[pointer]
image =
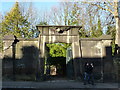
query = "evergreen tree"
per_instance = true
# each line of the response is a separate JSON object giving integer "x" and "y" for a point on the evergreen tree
{"x": 16, "y": 24}
{"x": 82, "y": 33}
{"x": 111, "y": 30}
{"x": 43, "y": 23}
{"x": 37, "y": 32}
{"x": 99, "y": 28}
{"x": 93, "y": 31}
{"x": 1, "y": 42}
{"x": 96, "y": 31}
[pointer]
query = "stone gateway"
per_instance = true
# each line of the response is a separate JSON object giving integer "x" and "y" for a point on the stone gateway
{"x": 30, "y": 53}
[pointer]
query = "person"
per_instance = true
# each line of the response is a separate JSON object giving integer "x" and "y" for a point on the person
{"x": 86, "y": 66}
{"x": 88, "y": 74}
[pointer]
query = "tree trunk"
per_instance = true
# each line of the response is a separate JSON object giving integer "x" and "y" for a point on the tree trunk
{"x": 117, "y": 39}
{"x": 117, "y": 18}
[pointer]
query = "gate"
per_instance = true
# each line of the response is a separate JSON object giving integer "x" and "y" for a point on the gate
{"x": 69, "y": 63}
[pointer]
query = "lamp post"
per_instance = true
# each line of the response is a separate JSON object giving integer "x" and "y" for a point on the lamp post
{"x": 13, "y": 54}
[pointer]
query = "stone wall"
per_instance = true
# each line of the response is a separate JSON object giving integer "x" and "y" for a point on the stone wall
{"x": 26, "y": 56}
{"x": 28, "y": 52}
{"x": 99, "y": 52}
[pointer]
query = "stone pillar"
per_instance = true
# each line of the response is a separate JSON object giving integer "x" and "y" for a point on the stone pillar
{"x": 76, "y": 56}
{"x": 42, "y": 52}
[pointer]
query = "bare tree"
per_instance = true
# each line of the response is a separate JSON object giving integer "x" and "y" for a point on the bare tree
{"x": 58, "y": 15}
{"x": 44, "y": 17}
{"x": 112, "y": 8}
{"x": 63, "y": 13}
{"x": 75, "y": 13}
{"x": 31, "y": 14}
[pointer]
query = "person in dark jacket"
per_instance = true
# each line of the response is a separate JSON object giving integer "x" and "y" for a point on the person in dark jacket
{"x": 86, "y": 66}
{"x": 88, "y": 74}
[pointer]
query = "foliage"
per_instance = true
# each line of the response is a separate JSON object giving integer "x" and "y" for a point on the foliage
{"x": 82, "y": 33}
{"x": 85, "y": 14}
{"x": 93, "y": 31}
{"x": 56, "y": 55}
{"x": 1, "y": 43}
{"x": 112, "y": 31}
{"x": 74, "y": 15}
{"x": 16, "y": 24}
{"x": 43, "y": 23}
{"x": 99, "y": 28}
{"x": 113, "y": 9}
{"x": 58, "y": 49}
{"x": 96, "y": 31}
{"x": 37, "y": 31}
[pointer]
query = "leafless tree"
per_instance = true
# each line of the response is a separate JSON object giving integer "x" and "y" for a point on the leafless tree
{"x": 113, "y": 9}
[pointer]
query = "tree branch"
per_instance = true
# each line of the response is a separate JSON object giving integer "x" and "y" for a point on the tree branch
{"x": 103, "y": 8}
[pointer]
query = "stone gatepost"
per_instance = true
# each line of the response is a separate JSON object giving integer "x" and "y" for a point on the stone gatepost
{"x": 60, "y": 34}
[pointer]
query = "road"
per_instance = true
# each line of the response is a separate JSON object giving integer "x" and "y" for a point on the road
{"x": 56, "y": 85}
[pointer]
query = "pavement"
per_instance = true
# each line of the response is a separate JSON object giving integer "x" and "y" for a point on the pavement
{"x": 56, "y": 84}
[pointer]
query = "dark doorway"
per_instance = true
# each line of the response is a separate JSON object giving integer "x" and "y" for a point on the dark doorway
{"x": 57, "y": 66}
{"x": 55, "y": 58}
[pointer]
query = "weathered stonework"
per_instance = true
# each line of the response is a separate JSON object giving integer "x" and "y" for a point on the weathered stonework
{"x": 26, "y": 55}
{"x": 99, "y": 52}
{"x": 49, "y": 34}
{"x": 96, "y": 50}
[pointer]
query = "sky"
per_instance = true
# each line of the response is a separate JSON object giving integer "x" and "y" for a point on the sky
{"x": 6, "y": 6}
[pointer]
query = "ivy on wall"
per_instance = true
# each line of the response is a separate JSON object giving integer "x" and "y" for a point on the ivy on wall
{"x": 58, "y": 49}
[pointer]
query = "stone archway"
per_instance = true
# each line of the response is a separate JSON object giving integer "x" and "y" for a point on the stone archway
{"x": 60, "y": 34}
